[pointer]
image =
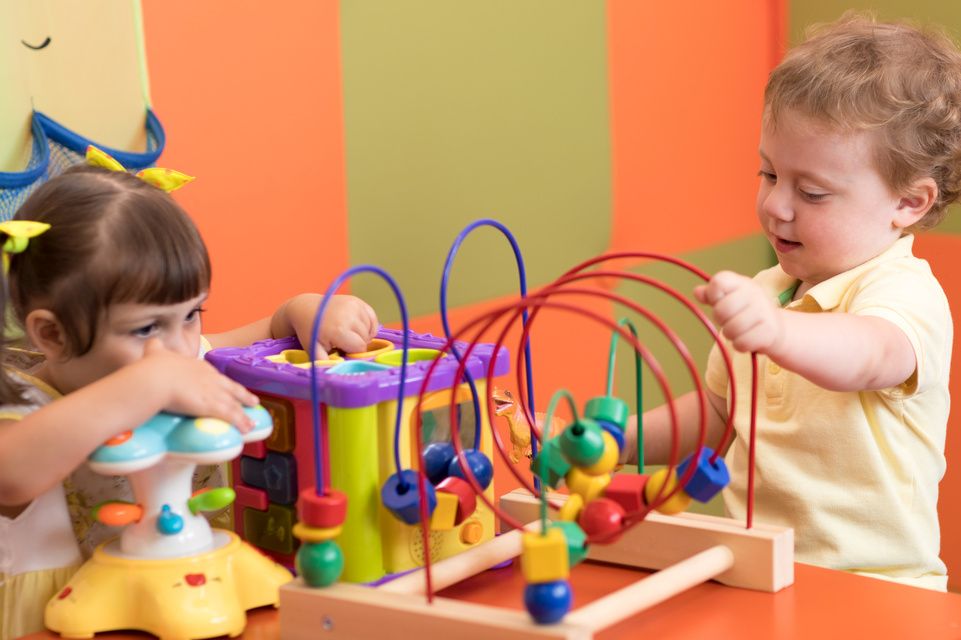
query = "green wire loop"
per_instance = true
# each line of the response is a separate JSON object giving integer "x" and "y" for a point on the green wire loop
{"x": 638, "y": 391}
{"x": 541, "y": 470}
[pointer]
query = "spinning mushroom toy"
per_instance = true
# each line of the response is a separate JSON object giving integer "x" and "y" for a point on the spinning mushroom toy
{"x": 168, "y": 572}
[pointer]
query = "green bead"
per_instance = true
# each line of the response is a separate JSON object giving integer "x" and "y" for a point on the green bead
{"x": 320, "y": 563}
{"x": 556, "y": 464}
{"x": 211, "y": 500}
{"x": 609, "y": 409}
{"x": 576, "y": 540}
{"x": 582, "y": 442}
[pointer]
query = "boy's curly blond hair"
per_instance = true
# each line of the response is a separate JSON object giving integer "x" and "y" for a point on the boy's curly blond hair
{"x": 897, "y": 80}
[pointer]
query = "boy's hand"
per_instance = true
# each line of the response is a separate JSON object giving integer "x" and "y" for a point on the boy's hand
{"x": 743, "y": 312}
{"x": 349, "y": 323}
{"x": 195, "y": 388}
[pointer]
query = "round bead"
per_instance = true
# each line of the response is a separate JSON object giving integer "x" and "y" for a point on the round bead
{"x": 588, "y": 487}
{"x": 571, "y": 508}
{"x": 707, "y": 479}
{"x": 678, "y": 502}
{"x": 548, "y": 602}
{"x": 608, "y": 459}
{"x": 479, "y": 465}
{"x": 582, "y": 442}
{"x": 609, "y": 409}
{"x": 319, "y": 563}
{"x": 576, "y": 541}
{"x": 328, "y": 510}
{"x": 402, "y": 498}
{"x": 466, "y": 498}
{"x": 603, "y": 519}
{"x": 437, "y": 459}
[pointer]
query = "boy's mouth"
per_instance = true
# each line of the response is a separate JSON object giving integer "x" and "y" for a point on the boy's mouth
{"x": 783, "y": 245}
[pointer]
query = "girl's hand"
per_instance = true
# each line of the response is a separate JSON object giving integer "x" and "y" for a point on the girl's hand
{"x": 744, "y": 313}
{"x": 349, "y": 323}
{"x": 195, "y": 388}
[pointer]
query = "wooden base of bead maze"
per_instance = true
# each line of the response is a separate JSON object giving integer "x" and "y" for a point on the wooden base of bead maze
{"x": 686, "y": 549}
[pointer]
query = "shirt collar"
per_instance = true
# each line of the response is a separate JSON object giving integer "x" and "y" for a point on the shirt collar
{"x": 827, "y": 295}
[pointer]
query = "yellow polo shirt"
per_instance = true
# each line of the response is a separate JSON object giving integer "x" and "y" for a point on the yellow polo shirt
{"x": 854, "y": 473}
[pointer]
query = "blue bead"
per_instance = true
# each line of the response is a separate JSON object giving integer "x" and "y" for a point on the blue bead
{"x": 708, "y": 478}
{"x": 437, "y": 457}
{"x": 615, "y": 431}
{"x": 403, "y": 498}
{"x": 548, "y": 602}
{"x": 168, "y": 522}
{"x": 479, "y": 465}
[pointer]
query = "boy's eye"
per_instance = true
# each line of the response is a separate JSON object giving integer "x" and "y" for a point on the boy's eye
{"x": 812, "y": 197}
{"x": 767, "y": 175}
{"x": 146, "y": 331}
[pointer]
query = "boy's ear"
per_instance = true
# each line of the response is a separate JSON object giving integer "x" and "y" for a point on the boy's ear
{"x": 918, "y": 200}
{"x": 46, "y": 333}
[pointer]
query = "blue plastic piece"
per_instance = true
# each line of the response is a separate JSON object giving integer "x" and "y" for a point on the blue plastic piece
{"x": 615, "y": 432}
{"x": 479, "y": 465}
{"x": 168, "y": 522}
{"x": 548, "y": 602}
{"x": 402, "y": 498}
{"x": 708, "y": 478}
{"x": 437, "y": 459}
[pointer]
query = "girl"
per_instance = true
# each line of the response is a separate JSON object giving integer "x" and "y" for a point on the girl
{"x": 111, "y": 296}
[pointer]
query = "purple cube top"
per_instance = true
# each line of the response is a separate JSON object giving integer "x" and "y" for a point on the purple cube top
{"x": 345, "y": 386}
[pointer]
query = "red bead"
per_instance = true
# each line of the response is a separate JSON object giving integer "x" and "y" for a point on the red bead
{"x": 602, "y": 520}
{"x": 322, "y": 512}
{"x": 466, "y": 498}
{"x": 627, "y": 490}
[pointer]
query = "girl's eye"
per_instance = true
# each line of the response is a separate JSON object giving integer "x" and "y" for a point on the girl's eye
{"x": 146, "y": 331}
{"x": 767, "y": 175}
{"x": 194, "y": 314}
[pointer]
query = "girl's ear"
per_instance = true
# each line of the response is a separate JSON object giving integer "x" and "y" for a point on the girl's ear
{"x": 917, "y": 202}
{"x": 46, "y": 333}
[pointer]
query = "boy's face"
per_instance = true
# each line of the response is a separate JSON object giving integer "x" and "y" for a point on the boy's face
{"x": 123, "y": 335}
{"x": 821, "y": 201}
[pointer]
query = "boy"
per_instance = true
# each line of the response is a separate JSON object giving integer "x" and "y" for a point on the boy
{"x": 860, "y": 146}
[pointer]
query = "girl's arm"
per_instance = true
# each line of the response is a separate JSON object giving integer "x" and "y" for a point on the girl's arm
{"x": 658, "y": 433}
{"x": 836, "y": 351}
{"x": 44, "y": 447}
{"x": 349, "y": 323}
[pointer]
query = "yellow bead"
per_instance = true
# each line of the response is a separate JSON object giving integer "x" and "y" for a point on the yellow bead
{"x": 544, "y": 557}
{"x": 315, "y": 534}
{"x": 608, "y": 459}
{"x": 445, "y": 514}
{"x": 571, "y": 509}
{"x": 587, "y": 486}
{"x": 678, "y": 502}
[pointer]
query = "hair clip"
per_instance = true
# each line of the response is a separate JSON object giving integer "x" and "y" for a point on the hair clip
{"x": 18, "y": 234}
{"x": 164, "y": 179}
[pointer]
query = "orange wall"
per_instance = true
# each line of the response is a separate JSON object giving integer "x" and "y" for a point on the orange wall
{"x": 249, "y": 94}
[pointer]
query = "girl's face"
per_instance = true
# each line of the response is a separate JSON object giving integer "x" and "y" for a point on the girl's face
{"x": 123, "y": 336}
{"x": 823, "y": 205}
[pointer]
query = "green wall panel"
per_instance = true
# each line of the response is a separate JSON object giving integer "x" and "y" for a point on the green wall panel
{"x": 455, "y": 111}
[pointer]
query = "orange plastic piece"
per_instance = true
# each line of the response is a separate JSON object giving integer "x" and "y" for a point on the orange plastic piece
{"x": 118, "y": 514}
{"x": 120, "y": 438}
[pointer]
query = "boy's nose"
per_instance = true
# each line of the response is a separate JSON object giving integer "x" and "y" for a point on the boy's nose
{"x": 177, "y": 343}
{"x": 777, "y": 204}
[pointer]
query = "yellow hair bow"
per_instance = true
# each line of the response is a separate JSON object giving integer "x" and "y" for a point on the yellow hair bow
{"x": 18, "y": 234}
{"x": 166, "y": 179}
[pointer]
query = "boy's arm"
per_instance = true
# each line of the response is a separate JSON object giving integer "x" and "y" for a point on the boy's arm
{"x": 658, "y": 433}
{"x": 836, "y": 351}
{"x": 349, "y": 323}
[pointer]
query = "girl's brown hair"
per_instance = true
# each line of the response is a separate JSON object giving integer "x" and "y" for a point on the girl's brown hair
{"x": 901, "y": 82}
{"x": 113, "y": 238}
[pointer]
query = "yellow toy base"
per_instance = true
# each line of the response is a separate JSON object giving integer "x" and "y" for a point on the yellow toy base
{"x": 202, "y": 596}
